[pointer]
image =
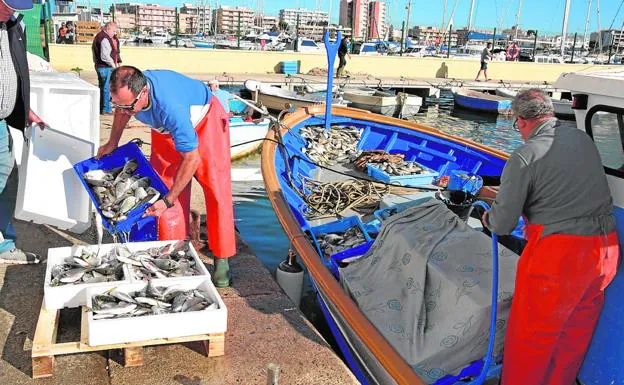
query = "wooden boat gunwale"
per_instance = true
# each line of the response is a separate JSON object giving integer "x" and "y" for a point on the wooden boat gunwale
{"x": 392, "y": 362}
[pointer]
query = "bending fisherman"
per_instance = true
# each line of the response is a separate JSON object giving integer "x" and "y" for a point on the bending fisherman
{"x": 190, "y": 138}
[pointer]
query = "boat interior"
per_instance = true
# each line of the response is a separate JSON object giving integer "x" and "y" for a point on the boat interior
{"x": 436, "y": 152}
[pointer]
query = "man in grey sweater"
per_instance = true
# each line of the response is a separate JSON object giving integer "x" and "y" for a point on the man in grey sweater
{"x": 105, "y": 49}
{"x": 556, "y": 180}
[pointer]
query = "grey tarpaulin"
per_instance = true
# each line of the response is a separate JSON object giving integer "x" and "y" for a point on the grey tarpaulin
{"x": 426, "y": 285}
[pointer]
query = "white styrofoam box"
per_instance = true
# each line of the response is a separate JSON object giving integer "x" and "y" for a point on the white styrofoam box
{"x": 143, "y": 328}
{"x": 137, "y": 246}
{"x": 68, "y": 103}
{"x": 72, "y": 295}
{"x": 49, "y": 192}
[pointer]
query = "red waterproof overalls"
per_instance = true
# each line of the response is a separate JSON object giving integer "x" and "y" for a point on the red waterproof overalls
{"x": 559, "y": 293}
{"x": 214, "y": 176}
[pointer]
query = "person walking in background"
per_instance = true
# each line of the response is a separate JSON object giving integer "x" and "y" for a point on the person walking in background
{"x": 343, "y": 51}
{"x": 105, "y": 49}
{"x": 14, "y": 110}
{"x": 69, "y": 36}
{"x": 61, "y": 34}
{"x": 486, "y": 56}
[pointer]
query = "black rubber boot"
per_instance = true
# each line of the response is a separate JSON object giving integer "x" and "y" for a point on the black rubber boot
{"x": 221, "y": 276}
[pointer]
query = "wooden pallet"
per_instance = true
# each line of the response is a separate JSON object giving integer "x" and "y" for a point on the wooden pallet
{"x": 45, "y": 347}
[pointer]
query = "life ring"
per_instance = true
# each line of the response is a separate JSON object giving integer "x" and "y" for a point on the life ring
{"x": 512, "y": 51}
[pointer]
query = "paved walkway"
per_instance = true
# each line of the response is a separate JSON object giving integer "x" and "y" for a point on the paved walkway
{"x": 263, "y": 326}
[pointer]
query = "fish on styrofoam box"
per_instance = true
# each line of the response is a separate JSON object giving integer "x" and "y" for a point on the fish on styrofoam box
{"x": 138, "y": 246}
{"x": 72, "y": 295}
{"x": 147, "y": 327}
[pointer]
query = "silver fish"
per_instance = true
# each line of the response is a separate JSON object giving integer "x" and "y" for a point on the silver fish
{"x": 122, "y": 308}
{"x": 120, "y": 295}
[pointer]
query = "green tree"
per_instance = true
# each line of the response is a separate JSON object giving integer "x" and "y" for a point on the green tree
{"x": 283, "y": 25}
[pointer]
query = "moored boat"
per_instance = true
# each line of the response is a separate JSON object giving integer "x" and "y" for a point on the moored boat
{"x": 243, "y": 131}
{"x": 475, "y": 100}
{"x": 386, "y": 103}
{"x": 563, "y": 107}
{"x": 370, "y": 355}
{"x": 246, "y": 134}
{"x": 202, "y": 43}
{"x": 365, "y": 345}
{"x": 598, "y": 100}
{"x": 276, "y": 98}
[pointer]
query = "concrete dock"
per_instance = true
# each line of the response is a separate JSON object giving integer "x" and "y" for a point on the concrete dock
{"x": 264, "y": 327}
{"x": 64, "y": 57}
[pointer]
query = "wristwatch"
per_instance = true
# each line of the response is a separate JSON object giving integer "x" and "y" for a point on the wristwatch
{"x": 167, "y": 203}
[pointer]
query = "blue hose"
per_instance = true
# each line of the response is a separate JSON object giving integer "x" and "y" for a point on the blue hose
{"x": 490, "y": 351}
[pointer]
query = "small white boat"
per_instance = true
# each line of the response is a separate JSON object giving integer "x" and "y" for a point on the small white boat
{"x": 249, "y": 132}
{"x": 276, "y": 98}
{"x": 563, "y": 107}
{"x": 386, "y": 103}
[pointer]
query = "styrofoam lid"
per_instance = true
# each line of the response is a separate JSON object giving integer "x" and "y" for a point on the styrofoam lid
{"x": 49, "y": 191}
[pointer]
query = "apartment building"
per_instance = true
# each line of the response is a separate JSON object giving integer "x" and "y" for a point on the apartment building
{"x": 202, "y": 19}
{"x": 377, "y": 19}
{"x": 145, "y": 17}
{"x": 228, "y": 19}
{"x": 306, "y": 16}
{"x": 354, "y": 14}
{"x": 156, "y": 18}
{"x": 265, "y": 22}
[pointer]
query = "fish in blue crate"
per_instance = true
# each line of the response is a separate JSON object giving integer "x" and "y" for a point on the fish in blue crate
{"x": 391, "y": 164}
{"x": 120, "y": 190}
{"x": 335, "y": 242}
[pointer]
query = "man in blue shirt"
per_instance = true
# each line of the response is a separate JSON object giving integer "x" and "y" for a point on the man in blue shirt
{"x": 190, "y": 138}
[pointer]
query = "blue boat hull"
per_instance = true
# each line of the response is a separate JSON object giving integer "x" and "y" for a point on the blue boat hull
{"x": 199, "y": 44}
{"x": 484, "y": 105}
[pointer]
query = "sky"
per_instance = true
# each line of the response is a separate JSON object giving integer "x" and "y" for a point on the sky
{"x": 543, "y": 15}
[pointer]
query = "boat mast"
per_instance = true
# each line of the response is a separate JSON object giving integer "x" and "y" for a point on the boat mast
{"x": 599, "y": 33}
{"x": 472, "y": 3}
{"x": 443, "y": 16}
{"x": 564, "y": 31}
{"x": 589, "y": 4}
{"x": 518, "y": 18}
{"x": 407, "y": 22}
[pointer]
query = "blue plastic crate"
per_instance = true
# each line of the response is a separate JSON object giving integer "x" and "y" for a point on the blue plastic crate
{"x": 334, "y": 261}
{"x": 403, "y": 180}
{"x": 337, "y": 227}
{"x": 140, "y": 229}
{"x": 385, "y": 213}
{"x": 289, "y": 67}
{"x": 459, "y": 180}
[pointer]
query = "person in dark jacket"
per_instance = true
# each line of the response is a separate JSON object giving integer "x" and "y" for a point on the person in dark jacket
{"x": 343, "y": 51}
{"x": 105, "y": 49}
{"x": 15, "y": 111}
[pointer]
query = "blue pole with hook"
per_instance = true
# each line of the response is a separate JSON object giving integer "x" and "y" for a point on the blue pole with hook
{"x": 331, "y": 49}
